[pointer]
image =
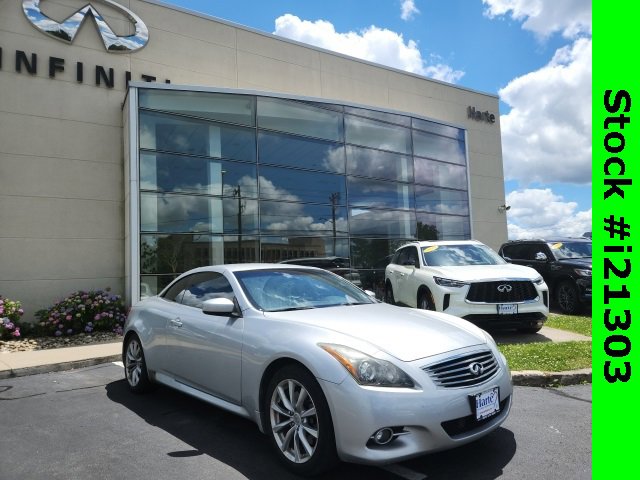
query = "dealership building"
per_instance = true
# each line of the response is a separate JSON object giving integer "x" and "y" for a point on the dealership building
{"x": 139, "y": 140}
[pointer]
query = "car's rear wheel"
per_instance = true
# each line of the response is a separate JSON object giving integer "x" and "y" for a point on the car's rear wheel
{"x": 135, "y": 366}
{"x": 388, "y": 294}
{"x": 425, "y": 301}
{"x": 568, "y": 298}
{"x": 299, "y": 422}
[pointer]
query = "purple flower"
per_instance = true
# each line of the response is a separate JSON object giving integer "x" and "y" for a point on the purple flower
{"x": 16, "y": 332}
{"x": 97, "y": 317}
{"x": 57, "y": 333}
{"x": 68, "y": 317}
{"x": 70, "y": 331}
{"x": 88, "y": 328}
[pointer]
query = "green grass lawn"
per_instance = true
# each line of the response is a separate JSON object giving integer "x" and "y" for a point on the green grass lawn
{"x": 553, "y": 356}
{"x": 548, "y": 356}
{"x": 572, "y": 323}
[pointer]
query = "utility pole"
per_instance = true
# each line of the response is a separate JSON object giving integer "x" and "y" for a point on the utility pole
{"x": 335, "y": 198}
{"x": 237, "y": 192}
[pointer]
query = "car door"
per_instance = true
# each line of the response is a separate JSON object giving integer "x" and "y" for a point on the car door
{"x": 205, "y": 350}
{"x": 404, "y": 276}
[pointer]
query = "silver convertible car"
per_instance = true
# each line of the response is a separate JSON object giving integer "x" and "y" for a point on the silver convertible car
{"x": 324, "y": 369}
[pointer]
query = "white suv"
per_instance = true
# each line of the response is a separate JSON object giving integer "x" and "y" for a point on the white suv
{"x": 468, "y": 279}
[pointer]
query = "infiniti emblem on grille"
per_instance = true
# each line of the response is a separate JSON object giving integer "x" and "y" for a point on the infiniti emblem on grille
{"x": 476, "y": 369}
{"x": 505, "y": 288}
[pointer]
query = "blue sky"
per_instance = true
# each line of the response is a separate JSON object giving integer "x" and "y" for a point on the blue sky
{"x": 535, "y": 54}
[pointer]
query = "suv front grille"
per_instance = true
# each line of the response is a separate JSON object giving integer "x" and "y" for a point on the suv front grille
{"x": 505, "y": 291}
{"x": 463, "y": 371}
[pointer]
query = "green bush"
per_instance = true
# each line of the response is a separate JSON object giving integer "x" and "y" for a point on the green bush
{"x": 86, "y": 312}
{"x": 10, "y": 313}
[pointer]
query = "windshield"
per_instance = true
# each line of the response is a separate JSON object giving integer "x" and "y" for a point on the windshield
{"x": 571, "y": 249}
{"x": 460, "y": 255}
{"x": 277, "y": 290}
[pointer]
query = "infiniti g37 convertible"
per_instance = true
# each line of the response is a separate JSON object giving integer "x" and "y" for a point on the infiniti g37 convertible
{"x": 326, "y": 371}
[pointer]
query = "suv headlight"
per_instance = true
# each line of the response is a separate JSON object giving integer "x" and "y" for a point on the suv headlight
{"x": 539, "y": 281}
{"x": 583, "y": 272}
{"x": 367, "y": 370}
{"x": 447, "y": 282}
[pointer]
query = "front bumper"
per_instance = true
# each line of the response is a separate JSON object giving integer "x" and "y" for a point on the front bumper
{"x": 433, "y": 418}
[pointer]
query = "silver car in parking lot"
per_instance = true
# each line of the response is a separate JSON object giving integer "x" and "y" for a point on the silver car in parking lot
{"x": 324, "y": 370}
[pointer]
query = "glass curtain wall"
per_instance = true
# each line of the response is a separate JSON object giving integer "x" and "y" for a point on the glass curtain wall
{"x": 228, "y": 178}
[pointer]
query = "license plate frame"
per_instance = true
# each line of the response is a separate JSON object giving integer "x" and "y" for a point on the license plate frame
{"x": 507, "y": 309}
{"x": 486, "y": 404}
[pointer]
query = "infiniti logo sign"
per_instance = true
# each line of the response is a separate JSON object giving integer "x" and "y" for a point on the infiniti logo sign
{"x": 67, "y": 30}
{"x": 505, "y": 288}
{"x": 476, "y": 368}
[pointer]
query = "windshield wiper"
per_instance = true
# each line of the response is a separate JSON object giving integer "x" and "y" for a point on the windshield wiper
{"x": 291, "y": 309}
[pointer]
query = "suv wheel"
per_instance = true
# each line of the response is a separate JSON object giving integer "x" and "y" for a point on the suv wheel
{"x": 425, "y": 301}
{"x": 567, "y": 296}
{"x": 388, "y": 294}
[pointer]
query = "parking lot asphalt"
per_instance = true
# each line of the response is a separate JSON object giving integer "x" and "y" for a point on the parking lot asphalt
{"x": 18, "y": 364}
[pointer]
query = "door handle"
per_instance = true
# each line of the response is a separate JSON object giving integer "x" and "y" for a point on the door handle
{"x": 176, "y": 322}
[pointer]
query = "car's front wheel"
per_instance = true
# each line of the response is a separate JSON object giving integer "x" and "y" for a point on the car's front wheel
{"x": 299, "y": 422}
{"x": 135, "y": 366}
{"x": 568, "y": 298}
{"x": 425, "y": 301}
{"x": 388, "y": 294}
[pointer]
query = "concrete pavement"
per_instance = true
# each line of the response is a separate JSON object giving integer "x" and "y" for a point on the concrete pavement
{"x": 17, "y": 364}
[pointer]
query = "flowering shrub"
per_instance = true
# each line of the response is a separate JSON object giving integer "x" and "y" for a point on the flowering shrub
{"x": 85, "y": 312}
{"x": 10, "y": 313}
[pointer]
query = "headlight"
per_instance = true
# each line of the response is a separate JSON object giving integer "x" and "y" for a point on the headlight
{"x": 539, "y": 281}
{"x": 447, "y": 282}
{"x": 367, "y": 370}
{"x": 583, "y": 272}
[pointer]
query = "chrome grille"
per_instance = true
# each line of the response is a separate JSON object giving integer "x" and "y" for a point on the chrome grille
{"x": 457, "y": 371}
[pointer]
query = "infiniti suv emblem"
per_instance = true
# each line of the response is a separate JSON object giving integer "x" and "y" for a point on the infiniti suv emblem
{"x": 505, "y": 288}
{"x": 476, "y": 368}
{"x": 67, "y": 30}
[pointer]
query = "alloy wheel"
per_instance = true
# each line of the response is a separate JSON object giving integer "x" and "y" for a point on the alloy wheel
{"x": 294, "y": 421}
{"x": 134, "y": 362}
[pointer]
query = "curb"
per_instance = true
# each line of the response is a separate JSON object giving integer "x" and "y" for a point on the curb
{"x": 58, "y": 367}
{"x": 536, "y": 378}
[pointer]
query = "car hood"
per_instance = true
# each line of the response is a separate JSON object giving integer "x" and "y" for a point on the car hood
{"x": 405, "y": 333}
{"x": 577, "y": 262}
{"x": 484, "y": 273}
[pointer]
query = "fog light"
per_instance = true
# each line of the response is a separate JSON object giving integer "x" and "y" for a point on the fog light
{"x": 383, "y": 436}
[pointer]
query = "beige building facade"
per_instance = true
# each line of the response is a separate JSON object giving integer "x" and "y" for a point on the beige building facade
{"x": 66, "y": 134}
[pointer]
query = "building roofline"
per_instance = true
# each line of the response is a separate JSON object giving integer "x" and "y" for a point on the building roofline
{"x": 313, "y": 47}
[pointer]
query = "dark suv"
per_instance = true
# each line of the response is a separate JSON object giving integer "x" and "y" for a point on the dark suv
{"x": 564, "y": 263}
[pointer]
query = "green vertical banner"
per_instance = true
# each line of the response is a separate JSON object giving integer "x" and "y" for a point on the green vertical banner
{"x": 616, "y": 239}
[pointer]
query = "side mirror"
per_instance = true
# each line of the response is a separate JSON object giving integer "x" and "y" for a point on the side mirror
{"x": 541, "y": 257}
{"x": 218, "y": 306}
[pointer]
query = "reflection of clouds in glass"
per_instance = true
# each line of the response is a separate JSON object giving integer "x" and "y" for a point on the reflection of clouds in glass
{"x": 334, "y": 159}
{"x": 440, "y": 174}
{"x": 381, "y": 222}
{"x": 378, "y": 164}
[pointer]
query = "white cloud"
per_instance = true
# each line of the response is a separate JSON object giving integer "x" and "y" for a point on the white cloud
{"x": 408, "y": 9}
{"x": 546, "y": 136}
{"x": 545, "y": 17}
{"x": 374, "y": 44}
{"x": 541, "y": 213}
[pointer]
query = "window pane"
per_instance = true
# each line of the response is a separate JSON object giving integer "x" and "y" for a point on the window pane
{"x": 440, "y": 174}
{"x": 151, "y": 285}
{"x": 300, "y": 118}
{"x": 277, "y": 249}
{"x": 185, "y": 213}
{"x": 438, "y": 148}
{"x": 197, "y": 137}
{"x": 286, "y": 218}
{"x": 374, "y": 253}
{"x": 376, "y": 163}
{"x": 376, "y": 115}
{"x": 278, "y": 149}
{"x": 173, "y": 173}
{"x": 300, "y": 186}
{"x": 205, "y": 286}
{"x": 438, "y": 128}
{"x": 364, "y": 192}
{"x": 370, "y": 133}
{"x": 215, "y": 106}
{"x": 382, "y": 223}
{"x": 439, "y": 200}
{"x": 443, "y": 227}
{"x": 177, "y": 253}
